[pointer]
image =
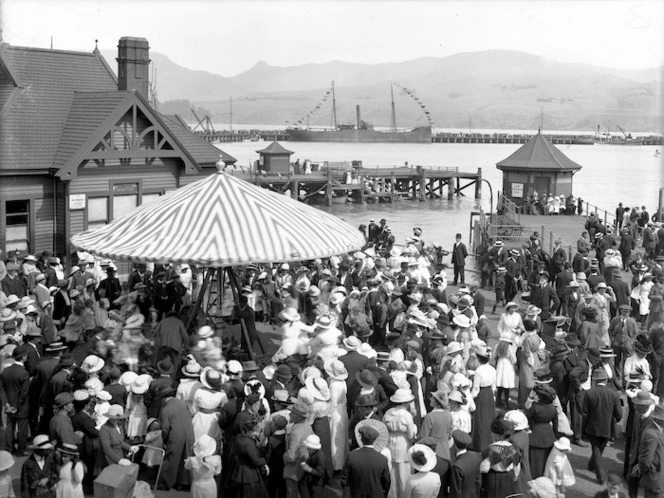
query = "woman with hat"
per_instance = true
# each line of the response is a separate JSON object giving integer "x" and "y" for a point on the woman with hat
{"x": 642, "y": 294}
{"x": 207, "y": 401}
{"x": 39, "y": 471}
{"x": 505, "y": 354}
{"x": 112, "y": 438}
{"x": 602, "y": 298}
{"x": 438, "y": 424}
{"x": 402, "y": 430}
{"x": 137, "y": 412}
{"x": 520, "y": 439}
{"x": 484, "y": 384}
{"x": 510, "y": 321}
{"x": 543, "y": 420}
{"x": 590, "y": 331}
{"x": 528, "y": 359}
{"x": 250, "y": 467}
{"x": 204, "y": 465}
{"x": 337, "y": 375}
{"x": 70, "y": 483}
{"x": 422, "y": 483}
{"x": 501, "y": 459}
{"x": 6, "y": 463}
{"x": 189, "y": 383}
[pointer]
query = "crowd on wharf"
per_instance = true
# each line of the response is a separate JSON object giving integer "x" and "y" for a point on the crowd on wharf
{"x": 388, "y": 379}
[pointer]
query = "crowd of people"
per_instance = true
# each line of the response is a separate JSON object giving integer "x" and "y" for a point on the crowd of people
{"x": 386, "y": 380}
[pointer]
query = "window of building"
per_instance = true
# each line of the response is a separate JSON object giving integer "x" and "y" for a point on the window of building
{"x": 17, "y": 218}
{"x": 97, "y": 212}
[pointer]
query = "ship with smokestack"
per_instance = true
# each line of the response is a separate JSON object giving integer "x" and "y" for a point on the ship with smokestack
{"x": 361, "y": 131}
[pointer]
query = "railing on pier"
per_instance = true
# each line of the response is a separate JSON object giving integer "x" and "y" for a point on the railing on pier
{"x": 510, "y": 209}
{"x": 514, "y": 236}
{"x": 602, "y": 214}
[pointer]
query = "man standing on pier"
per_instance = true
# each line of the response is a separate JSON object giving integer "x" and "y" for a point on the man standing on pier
{"x": 459, "y": 255}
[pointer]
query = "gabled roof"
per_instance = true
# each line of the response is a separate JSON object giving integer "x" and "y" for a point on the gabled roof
{"x": 538, "y": 154}
{"x": 32, "y": 123}
{"x": 274, "y": 148}
{"x": 204, "y": 152}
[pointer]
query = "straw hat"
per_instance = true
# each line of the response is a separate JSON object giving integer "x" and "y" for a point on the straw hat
{"x": 81, "y": 395}
{"x": 335, "y": 369}
{"x": 140, "y": 385}
{"x": 55, "y": 346}
{"x": 92, "y": 364}
{"x": 192, "y": 369}
{"x": 533, "y": 310}
{"x": 352, "y": 343}
{"x": 205, "y": 446}
{"x": 518, "y": 419}
{"x": 6, "y": 460}
{"x": 68, "y": 448}
{"x": 290, "y": 315}
{"x": 462, "y": 321}
{"x": 428, "y": 454}
{"x": 211, "y": 379}
{"x": 41, "y": 442}
{"x": 402, "y": 396}
{"x": 454, "y": 347}
{"x": 115, "y": 412}
{"x": 563, "y": 444}
{"x": 313, "y": 442}
{"x": 205, "y": 332}
{"x": 104, "y": 395}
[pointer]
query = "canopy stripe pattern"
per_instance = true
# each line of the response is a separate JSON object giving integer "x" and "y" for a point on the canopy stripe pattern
{"x": 221, "y": 221}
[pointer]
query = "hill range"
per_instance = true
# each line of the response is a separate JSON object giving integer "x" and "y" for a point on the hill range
{"x": 494, "y": 89}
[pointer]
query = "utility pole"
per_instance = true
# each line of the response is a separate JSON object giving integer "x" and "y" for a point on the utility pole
{"x": 231, "y": 128}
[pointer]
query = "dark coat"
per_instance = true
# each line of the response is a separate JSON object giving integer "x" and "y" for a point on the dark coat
{"x": 31, "y": 474}
{"x": 15, "y": 385}
{"x": 118, "y": 394}
{"x": 465, "y": 481}
{"x": 651, "y": 460}
{"x": 178, "y": 436}
{"x": 32, "y": 359}
{"x": 366, "y": 474}
{"x": 83, "y": 422}
{"x": 543, "y": 421}
{"x": 601, "y": 406}
{"x": 113, "y": 445}
{"x": 621, "y": 290}
{"x": 354, "y": 362}
{"x": 479, "y": 301}
{"x": 548, "y": 301}
{"x": 459, "y": 254}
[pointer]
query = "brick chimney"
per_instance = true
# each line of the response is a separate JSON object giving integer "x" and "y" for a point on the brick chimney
{"x": 134, "y": 65}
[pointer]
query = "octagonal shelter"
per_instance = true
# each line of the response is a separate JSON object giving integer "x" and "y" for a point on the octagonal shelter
{"x": 274, "y": 159}
{"x": 537, "y": 166}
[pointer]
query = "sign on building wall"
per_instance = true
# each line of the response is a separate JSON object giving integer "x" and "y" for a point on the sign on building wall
{"x": 517, "y": 190}
{"x": 76, "y": 201}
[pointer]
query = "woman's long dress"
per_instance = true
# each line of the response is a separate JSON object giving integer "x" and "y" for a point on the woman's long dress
{"x": 338, "y": 423}
{"x": 138, "y": 417}
{"x": 203, "y": 472}
{"x": 484, "y": 383}
{"x": 402, "y": 430}
{"x": 70, "y": 484}
{"x": 205, "y": 421}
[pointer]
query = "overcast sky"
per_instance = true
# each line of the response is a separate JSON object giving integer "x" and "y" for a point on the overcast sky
{"x": 228, "y": 37}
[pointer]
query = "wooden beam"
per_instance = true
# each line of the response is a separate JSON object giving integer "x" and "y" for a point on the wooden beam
{"x": 131, "y": 154}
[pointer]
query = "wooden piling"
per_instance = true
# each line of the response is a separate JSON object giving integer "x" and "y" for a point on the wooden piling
{"x": 478, "y": 184}
{"x": 450, "y": 189}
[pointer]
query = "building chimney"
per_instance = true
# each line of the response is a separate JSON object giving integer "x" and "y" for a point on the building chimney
{"x": 134, "y": 65}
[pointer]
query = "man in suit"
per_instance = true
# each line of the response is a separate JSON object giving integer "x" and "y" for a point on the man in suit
{"x": 178, "y": 436}
{"x": 559, "y": 257}
{"x": 546, "y": 298}
{"x": 295, "y": 452}
{"x": 627, "y": 245}
{"x": 465, "y": 480}
{"x": 353, "y": 361}
{"x": 622, "y": 331}
{"x": 57, "y": 384}
{"x": 459, "y": 255}
{"x": 15, "y": 385}
{"x": 563, "y": 279}
{"x": 620, "y": 289}
{"x": 32, "y": 349}
{"x": 479, "y": 301}
{"x": 601, "y": 406}
{"x": 580, "y": 382}
{"x": 651, "y": 455}
{"x": 366, "y": 474}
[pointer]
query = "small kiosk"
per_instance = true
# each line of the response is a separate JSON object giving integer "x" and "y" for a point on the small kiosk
{"x": 274, "y": 159}
{"x": 537, "y": 166}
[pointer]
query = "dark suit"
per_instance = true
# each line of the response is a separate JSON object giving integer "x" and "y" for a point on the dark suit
{"x": 32, "y": 359}
{"x": 479, "y": 301}
{"x": 651, "y": 461}
{"x": 354, "y": 362}
{"x": 548, "y": 301}
{"x": 465, "y": 481}
{"x": 366, "y": 474}
{"x": 15, "y": 384}
{"x": 118, "y": 394}
{"x": 459, "y": 255}
{"x": 601, "y": 406}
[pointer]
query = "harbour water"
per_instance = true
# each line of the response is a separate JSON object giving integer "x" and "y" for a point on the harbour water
{"x": 611, "y": 174}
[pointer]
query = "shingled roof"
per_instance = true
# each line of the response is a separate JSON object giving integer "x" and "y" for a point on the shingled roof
{"x": 538, "y": 154}
{"x": 45, "y": 107}
{"x": 274, "y": 148}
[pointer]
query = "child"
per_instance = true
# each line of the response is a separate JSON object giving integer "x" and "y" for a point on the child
{"x": 315, "y": 467}
{"x": 499, "y": 286}
{"x": 614, "y": 487}
{"x": 70, "y": 484}
{"x": 204, "y": 465}
{"x": 505, "y": 354}
{"x": 153, "y": 457}
{"x": 6, "y": 463}
{"x": 558, "y": 468}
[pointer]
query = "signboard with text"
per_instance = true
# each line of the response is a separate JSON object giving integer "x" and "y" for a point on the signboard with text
{"x": 517, "y": 190}
{"x": 76, "y": 201}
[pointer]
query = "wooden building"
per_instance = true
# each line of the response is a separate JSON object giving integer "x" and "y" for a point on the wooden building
{"x": 274, "y": 159}
{"x": 537, "y": 166}
{"x": 80, "y": 146}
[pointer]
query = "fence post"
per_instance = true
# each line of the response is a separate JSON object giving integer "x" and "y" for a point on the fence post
{"x": 605, "y": 215}
{"x": 550, "y": 240}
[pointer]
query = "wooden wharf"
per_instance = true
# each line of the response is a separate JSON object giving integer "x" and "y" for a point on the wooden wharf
{"x": 331, "y": 185}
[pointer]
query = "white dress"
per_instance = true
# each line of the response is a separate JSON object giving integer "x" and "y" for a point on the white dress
{"x": 644, "y": 300}
{"x": 510, "y": 323}
{"x": 138, "y": 417}
{"x": 423, "y": 485}
{"x": 70, "y": 484}
{"x": 338, "y": 423}
{"x": 402, "y": 430}
{"x": 186, "y": 391}
{"x": 205, "y": 420}
{"x": 203, "y": 485}
{"x": 505, "y": 369}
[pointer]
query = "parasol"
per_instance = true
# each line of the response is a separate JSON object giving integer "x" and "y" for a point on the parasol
{"x": 383, "y": 435}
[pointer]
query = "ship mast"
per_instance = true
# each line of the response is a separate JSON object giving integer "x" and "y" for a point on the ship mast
{"x": 394, "y": 112}
{"x": 334, "y": 107}
{"x": 231, "y": 117}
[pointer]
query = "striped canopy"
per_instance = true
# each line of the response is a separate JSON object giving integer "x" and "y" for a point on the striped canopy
{"x": 221, "y": 221}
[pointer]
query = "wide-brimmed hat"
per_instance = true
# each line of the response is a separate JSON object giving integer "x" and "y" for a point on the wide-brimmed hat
{"x": 635, "y": 377}
{"x": 140, "y": 385}
{"x": 533, "y": 310}
{"x": 335, "y": 369}
{"x": 440, "y": 397}
{"x": 643, "y": 398}
{"x": 299, "y": 408}
{"x": 290, "y": 315}
{"x": 127, "y": 379}
{"x": 376, "y": 430}
{"x": 462, "y": 321}
{"x": 657, "y": 413}
{"x": 563, "y": 444}
{"x": 55, "y": 346}
{"x": 68, "y": 448}
{"x": 366, "y": 379}
{"x": 454, "y": 347}
{"x": 211, "y": 379}
{"x": 641, "y": 349}
{"x": 192, "y": 369}
{"x": 205, "y": 446}
{"x": 518, "y": 419}
{"x": 165, "y": 366}
{"x": 282, "y": 396}
{"x": 115, "y": 412}
{"x": 249, "y": 366}
{"x": 283, "y": 373}
{"x": 402, "y": 396}
{"x": 318, "y": 388}
{"x": 6, "y": 460}
{"x": 607, "y": 353}
{"x": 205, "y": 332}
{"x": 600, "y": 374}
{"x": 572, "y": 339}
{"x": 427, "y": 453}
{"x": 456, "y": 395}
{"x": 366, "y": 350}
{"x": 92, "y": 363}
{"x": 41, "y": 442}
{"x": 352, "y": 343}
{"x": 7, "y": 315}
